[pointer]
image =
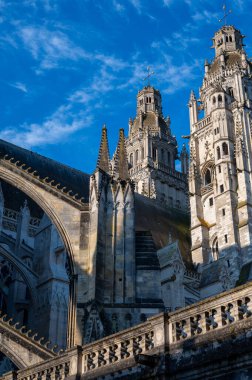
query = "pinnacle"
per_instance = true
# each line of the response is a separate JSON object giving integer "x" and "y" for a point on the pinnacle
{"x": 103, "y": 156}
{"x": 192, "y": 95}
{"x": 121, "y": 160}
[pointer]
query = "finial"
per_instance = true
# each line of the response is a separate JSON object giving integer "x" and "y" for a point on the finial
{"x": 103, "y": 156}
{"x": 226, "y": 14}
{"x": 150, "y": 73}
{"x": 192, "y": 95}
{"x": 121, "y": 160}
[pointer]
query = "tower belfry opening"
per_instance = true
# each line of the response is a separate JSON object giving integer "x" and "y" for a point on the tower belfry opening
{"x": 152, "y": 153}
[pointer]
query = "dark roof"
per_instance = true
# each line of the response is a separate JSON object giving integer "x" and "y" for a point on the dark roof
{"x": 72, "y": 179}
{"x": 164, "y": 223}
{"x": 211, "y": 273}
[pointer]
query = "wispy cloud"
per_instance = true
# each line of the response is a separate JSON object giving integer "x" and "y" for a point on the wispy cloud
{"x": 167, "y": 3}
{"x": 206, "y": 16}
{"x": 118, "y": 6}
{"x": 49, "y": 47}
{"x": 56, "y": 128}
{"x": 19, "y": 86}
{"x": 137, "y": 4}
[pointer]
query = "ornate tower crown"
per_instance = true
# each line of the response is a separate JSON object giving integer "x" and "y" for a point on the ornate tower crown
{"x": 227, "y": 39}
{"x": 149, "y": 99}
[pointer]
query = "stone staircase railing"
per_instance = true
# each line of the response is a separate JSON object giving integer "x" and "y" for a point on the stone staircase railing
{"x": 225, "y": 313}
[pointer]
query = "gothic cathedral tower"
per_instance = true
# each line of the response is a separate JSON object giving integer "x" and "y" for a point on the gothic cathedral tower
{"x": 221, "y": 156}
{"x": 152, "y": 151}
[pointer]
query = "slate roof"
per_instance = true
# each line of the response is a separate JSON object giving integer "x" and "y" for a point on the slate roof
{"x": 72, "y": 179}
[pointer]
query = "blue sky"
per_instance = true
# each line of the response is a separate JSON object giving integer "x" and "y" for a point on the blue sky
{"x": 69, "y": 66}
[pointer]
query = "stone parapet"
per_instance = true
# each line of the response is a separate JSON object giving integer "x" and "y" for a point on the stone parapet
{"x": 217, "y": 319}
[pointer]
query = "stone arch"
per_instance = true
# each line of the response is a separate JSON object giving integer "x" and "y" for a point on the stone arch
{"x": 69, "y": 234}
{"x": 22, "y": 184}
{"x": 208, "y": 167}
{"x": 20, "y": 267}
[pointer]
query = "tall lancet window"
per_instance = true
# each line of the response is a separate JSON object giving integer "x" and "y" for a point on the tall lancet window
{"x": 208, "y": 178}
{"x": 215, "y": 249}
{"x": 131, "y": 159}
{"x": 154, "y": 154}
{"x": 142, "y": 153}
{"x": 137, "y": 156}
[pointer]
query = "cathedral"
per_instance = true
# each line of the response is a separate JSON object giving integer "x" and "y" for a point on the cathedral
{"x": 132, "y": 257}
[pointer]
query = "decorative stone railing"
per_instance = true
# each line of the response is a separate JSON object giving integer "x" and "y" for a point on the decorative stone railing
{"x": 10, "y": 221}
{"x": 136, "y": 169}
{"x": 151, "y": 339}
{"x": 211, "y": 314}
{"x": 203, "y": 123}
{"x": 191, "y": 274}
{"x": 66, "y": 365}
{"x": 167, "y": 169}
{"x": 206, "y": 189}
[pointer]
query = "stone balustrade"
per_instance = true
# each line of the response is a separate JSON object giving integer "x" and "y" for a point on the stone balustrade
{"x": 10, "y": 221}
{"x": 207, "y": 188}
{"x": 203, "y": 123}
{"x": 150, "y": 339}
{"x": 169, "y": 170}
{"x": 211, "y": 314}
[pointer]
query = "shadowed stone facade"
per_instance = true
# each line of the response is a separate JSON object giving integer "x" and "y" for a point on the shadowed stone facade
{"x": 83, "y": 257}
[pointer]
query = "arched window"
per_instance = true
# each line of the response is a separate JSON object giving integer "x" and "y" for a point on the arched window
{"x": 170, "y": 201}
{"x": 219, "y": 98}
{"x": 131, "y": 159}
{"x": 230, "y": 38}
{"x": 154, "y": 154}
{"x": 225, "y": 148}
{"x": 146, "y": 99}
{"x": 231, "y": 92}
{"x": 214, "y": 100}
{"x": 169, "y": 158}
{"x": 142, "y": 153}
{"x": 136, "y": 156}
{"x": 226, "y": 38}
{"x": 208, "y": 178}
{"x": 218, "y": 153}
{"x": 215, "y": 249}
{"x": 149, "y": 99}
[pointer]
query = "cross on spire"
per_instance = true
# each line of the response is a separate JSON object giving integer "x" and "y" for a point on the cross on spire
{"x": 226, "y": 13}
{"x": 150, "y": 73}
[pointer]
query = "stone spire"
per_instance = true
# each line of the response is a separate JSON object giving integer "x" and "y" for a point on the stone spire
{"x": 103, "y": 157}
{"x": 120, "y": 159}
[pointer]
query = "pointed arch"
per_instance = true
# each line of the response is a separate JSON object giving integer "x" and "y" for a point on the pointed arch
{"x": 58, "y": 211}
